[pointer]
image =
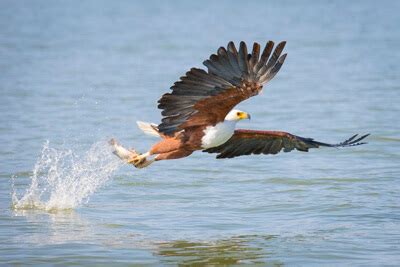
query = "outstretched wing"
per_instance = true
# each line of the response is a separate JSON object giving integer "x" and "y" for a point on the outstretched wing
{"x": 246, "y": 142}
{"x": 205, "y": 98}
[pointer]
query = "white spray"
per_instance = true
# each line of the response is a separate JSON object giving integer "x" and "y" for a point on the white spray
{"x": 63, "y": 180}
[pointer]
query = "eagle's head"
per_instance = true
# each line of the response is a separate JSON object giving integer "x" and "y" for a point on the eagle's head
{"x": 237, "y": 115}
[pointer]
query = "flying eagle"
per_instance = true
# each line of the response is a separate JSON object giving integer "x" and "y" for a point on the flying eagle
{"x": 198, "y": 114}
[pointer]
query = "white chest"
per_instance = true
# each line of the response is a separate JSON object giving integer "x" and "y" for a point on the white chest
{"x": 218, "y": 134}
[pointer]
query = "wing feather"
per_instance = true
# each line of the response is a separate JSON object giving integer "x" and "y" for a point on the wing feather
{"x": 233, "y": 58}
{"x": 243, "y": 60}
{"x": 264, "y": 57}
{"x": 254, "y": 56}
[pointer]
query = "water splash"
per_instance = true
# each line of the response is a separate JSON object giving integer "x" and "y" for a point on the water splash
{"x": 61, "y": 179}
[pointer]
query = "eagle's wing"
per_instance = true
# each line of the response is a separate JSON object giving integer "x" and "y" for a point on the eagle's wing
{"x": 205, "y": 98}
{"x": 246, "y": 142}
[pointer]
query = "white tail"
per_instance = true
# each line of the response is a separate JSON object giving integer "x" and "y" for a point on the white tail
{"x": 148, "y": 128}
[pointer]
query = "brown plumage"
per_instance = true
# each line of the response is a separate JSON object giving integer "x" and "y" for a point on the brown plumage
{"x": 198, "y": 114}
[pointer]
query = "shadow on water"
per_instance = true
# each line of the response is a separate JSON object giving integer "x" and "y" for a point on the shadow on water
{"x": 237, "y": 250}
{"x": 66, "y": 227}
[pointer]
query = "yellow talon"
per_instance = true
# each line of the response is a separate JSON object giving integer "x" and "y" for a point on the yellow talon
{"x": 130, "y": 161}
{"x": 144, "y": 164}
{"x": 138, "y": 160}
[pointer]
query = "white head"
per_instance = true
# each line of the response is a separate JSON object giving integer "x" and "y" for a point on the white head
{"x": 237, "y": 115}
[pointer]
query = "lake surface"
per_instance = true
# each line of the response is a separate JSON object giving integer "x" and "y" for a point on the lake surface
{"x": 75, "y": 74}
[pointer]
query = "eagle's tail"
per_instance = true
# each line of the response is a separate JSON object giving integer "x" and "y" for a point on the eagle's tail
{"x": 149, "y": 128}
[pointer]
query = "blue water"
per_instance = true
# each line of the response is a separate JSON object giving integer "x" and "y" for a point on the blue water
{"x": 74, "y": 74}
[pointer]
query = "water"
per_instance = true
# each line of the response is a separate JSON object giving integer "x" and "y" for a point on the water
{"x": 63, "y": 180}
{"x": 78, "y": 74}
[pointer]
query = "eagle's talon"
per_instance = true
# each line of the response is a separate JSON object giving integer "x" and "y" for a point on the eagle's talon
{"x": 144, "y": 164}
{"x": 131, "y": 160}
{"x": 137, "y": 161}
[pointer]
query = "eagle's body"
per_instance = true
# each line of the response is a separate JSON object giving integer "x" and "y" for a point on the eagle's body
{"x": 218, "y": 134}
{"x": 199, "y": 115}
{"x": 184, "y": 143}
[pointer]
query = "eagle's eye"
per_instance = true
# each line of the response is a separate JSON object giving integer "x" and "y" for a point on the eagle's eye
{"x": 238, "y": 113}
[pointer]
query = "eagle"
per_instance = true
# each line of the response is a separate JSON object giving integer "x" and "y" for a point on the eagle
{"x": 199, "y": 114}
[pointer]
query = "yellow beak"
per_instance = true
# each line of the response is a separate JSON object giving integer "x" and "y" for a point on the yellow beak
{"x": 244, "y": 115}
